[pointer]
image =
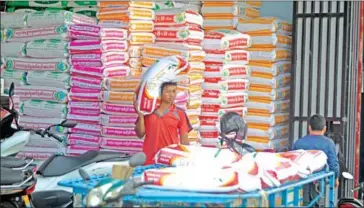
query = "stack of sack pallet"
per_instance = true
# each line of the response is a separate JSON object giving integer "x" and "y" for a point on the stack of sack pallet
{"x": 178, "y": 32}
{"x": 270, "y": 66}
{"x": 118, "y": 115}
{"x": 34, "y": 48}
{"x": 226, "y": 14}
{"x": 96, "y": 61}
{"x": 225, "y": 80}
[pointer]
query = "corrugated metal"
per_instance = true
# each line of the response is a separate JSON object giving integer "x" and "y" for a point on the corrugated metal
{"x": 324, "y": 74}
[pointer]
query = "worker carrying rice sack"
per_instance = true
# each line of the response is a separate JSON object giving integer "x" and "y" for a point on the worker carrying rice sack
{"x": 159, "y": 120}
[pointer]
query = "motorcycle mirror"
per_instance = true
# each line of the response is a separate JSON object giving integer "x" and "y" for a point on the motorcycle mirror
{"x": 68, "y": 124}
{"x": 347, "y": 175}
{"x": 11, "y": 90}
{"x": 85, "y": 176}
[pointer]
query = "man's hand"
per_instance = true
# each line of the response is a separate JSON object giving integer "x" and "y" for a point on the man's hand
{"x": 135, "y": 104}
{"x": 337, "y": 183}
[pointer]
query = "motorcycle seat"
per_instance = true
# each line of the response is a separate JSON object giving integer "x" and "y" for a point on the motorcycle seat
{"x": 56, "y": 198}
{"x": 11, "y": 177}
{"x": 59, "y": 165}
{"x": 12, "y": 162}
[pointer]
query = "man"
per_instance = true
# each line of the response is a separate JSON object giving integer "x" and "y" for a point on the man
{"x": 317, "y": 141}
{"x": 165, "y": 126}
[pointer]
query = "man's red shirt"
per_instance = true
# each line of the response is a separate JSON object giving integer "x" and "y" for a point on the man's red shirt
{"x": 164, "y": 130}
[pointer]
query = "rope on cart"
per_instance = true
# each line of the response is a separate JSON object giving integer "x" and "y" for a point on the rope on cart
{"x": 264, "y": 197}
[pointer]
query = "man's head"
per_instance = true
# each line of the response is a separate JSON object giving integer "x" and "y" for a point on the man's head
{"x": 317, "y": 125}
{"x": 168, "y": 92}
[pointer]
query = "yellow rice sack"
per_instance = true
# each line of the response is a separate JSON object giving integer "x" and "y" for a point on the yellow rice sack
{"x": 264, "y": 25}
{"x": 274, "y": 132}
{"x": 141, "y": 38}
{"x": 160, "y": 50}
{"x": 266, "y": 120}
{"x": 269, "y": 55}
{"x": 268, "y": 84}
{"x": 236, "y": 10}
{"x": 269, "y": 70}
{"x": 261, "y": 106}
{"x": 275, "y": 94}
{"x": 270, "y": 40}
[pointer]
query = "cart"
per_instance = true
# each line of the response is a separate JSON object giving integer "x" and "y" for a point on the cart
{"x": 290, "y": 194}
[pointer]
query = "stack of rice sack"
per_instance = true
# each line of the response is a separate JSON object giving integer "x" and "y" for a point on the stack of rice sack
{"x": 178, "y": 32}
{"x": 96, "y": 61}
{"x": 118, "y": 115}
{"x": 226, "y": 14}
{"x": 269, "y": 89}
{"x": 34, "y": 46}
{"x": 225, "y": 80}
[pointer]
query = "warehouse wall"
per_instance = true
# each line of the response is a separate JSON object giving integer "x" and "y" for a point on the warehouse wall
{"x": 280, "y": 9}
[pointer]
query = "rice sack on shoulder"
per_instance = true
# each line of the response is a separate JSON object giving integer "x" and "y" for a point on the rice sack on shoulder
{"x": 164, "y": 70}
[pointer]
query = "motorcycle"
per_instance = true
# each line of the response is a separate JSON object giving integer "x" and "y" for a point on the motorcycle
{"x": 53, "y": 170}
{"x": 16, "y": 186}
{"x": 352, "y": 202}
{"x": 232, "y": 123}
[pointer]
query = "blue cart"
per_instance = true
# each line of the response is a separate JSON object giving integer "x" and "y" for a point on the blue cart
{"x": 290, "y": 194}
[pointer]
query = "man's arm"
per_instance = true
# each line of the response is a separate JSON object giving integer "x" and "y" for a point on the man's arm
{"x": 140, "y": 126}
{"x": 332, "y": 160}
{"x": 184, "y": 128}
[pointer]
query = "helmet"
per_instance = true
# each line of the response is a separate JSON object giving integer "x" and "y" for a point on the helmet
{"x": 233, "y": 122}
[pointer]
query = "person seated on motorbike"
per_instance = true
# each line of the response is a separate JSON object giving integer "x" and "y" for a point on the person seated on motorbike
{"x": 167, "y": 125}
{"x": 317, "y": 141}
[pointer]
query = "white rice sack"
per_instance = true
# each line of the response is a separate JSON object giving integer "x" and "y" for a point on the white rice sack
{"x": 30, "y": 122}
{"x": 44, "y": 109}
{"x": 226, "y": 71}
{"x": 177, "y": 17}
{"x": 195, "y": 156}
{"x": 42, "y": 93}
{"x": 37, "y": 64}
{"x": 49, "y": 79}
{"x": 15, "y": 49}
{"x": 192, "y": 179}
{"x": 13, "y": 20}
{"x": 227, "y": 86}
{"x": 48, "y": 18}
{"x": 28, "y": 34}
{"x": 225, "y": 40}
{"x": 235, "y": 57}
{"x": 16, "y": 77}
{"x": 51, "y": 48}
